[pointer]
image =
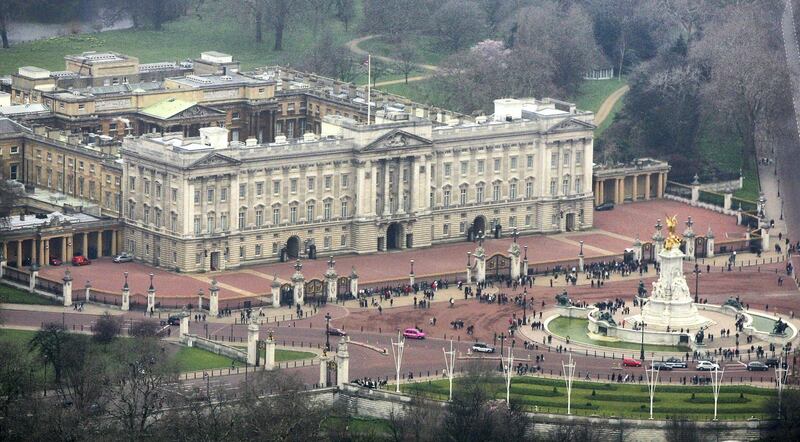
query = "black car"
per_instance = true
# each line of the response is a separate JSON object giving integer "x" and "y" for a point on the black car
{"x": 174, "y": 320}
{"x": 336, "y": 332}
{"x": 773, "y": 362}
{"x": 757, "y": 366}
{"x": 675, "y": 363}
{"x": 661, "y": 366}
{"x": 605, "y": 206}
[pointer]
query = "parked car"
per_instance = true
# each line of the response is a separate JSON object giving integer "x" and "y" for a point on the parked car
{"x": 480, "y": 347}
{"x": 174, "y": 320}
{"x": 774, "y": 362}
{"x": 55, "y": 261}
{"x": 630, "y": 362}
{"x": 413, "y": 333}
{"x": 661, "y": 366}
{"x": 757, "y": 366}
{"x": 336, "y": 332}
{"x": 123, "y": 257}
{"x": 80, "y": 260}
{"x": 604, "y": 207}
{"x": 674, "y": 362}
{"x": 707, "y": 365}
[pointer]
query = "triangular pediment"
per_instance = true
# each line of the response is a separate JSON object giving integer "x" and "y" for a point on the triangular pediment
{"x": 397, "y": 139}
{"x": 198, "y": 111}
{"x": 571, "y": 124}
{"x": 214, "y": 160}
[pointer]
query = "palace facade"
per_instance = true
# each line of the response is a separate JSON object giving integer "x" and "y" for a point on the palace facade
{"x": 405, "y": 181}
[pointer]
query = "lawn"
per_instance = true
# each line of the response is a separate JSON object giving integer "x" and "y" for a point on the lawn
{"x": 610, "y": 118}
{"x": 620, "y": 400}
{"x": 20, "y": 337}
{"x": 594, "y": 92}
{"x": 576, "y": 330}
{"x": 427, "y": 49}
{"x": 724, "y": 149}
{"x": 13, "y": 295}
{"x": 182, "y": 39}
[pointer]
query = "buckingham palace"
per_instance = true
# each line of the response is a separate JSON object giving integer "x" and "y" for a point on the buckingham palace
{"x": 404, "y": 181}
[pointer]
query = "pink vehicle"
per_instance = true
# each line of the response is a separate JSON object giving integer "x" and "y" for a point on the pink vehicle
{"x": 413, "y": 333}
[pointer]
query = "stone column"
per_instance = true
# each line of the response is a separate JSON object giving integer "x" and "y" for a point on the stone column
{"x": 200, "y": 300}
{"x": 342, "y": 363}
{"x": 3, "y": 261}
{"x": 19, "y": 254}
{"x": 525, "y": 261}
{"x": 184, "y": 328}
{"x": 635, "y": 194}
{"x": 398, "y": 188}
{"x": 113, "y": 242}
{"x": 66, "y": 289}
{"x": 269, "y": 353}
{"x": 33, "y": 276}
{"x": 514, "y": 253}
{"x": 387, "y": 208}
{"x": 151, "y": 296}
{"x": 602, "y": 191}
{"x": 658, "y": 240}
{"x": 709, "y": 243}
{"x": 728, "y": 201}
{"x": 276, "y": 292}
{"x": 580, "y": 257}
{"x": 765, "y": 238}
{"x": 622, "y": 190}
{"x": 323, "y": 369}
{"x": 88, "y": 291}
{"x": 126, "y": 295}
{"x": 86, "y": 244}
{"x": 695, "y": 189}
{"x": 414, "y": 185}
{"x": 298, "y": 280}
{"x": 213, "y": 299}
{"x": 661, "y": 185}
{"x": 100, "y": 243}
{"x": 480, "y": 265}
{"x": 252, "y": 343}
{"x": 354, "y": 282}
{"x": 689, "y": 236}
{"x": 361, "y": 197}
{"x": 647, "y": 187}
{"x": 330, "y": 280}
{"x": 64, "y": 258}
{"x": 373, "y": 185}
{"x": 44, "y": 252}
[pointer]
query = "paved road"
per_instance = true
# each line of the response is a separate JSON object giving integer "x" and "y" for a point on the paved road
{"x": 608, "y": 104}
{"x": 788, "y": 152}
{"x": 352, "y": 45}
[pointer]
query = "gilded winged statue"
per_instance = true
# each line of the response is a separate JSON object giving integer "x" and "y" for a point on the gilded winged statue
{"x": 673, "y": 240}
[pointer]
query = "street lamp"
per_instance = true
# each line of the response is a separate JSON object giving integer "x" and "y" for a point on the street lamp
{"x": 328, "y": 331}
{"x": 502, "y": 338}
{"x": 525, "y": 306}
{"x": 697, "y": 273}
{"x": 412, "y": 266}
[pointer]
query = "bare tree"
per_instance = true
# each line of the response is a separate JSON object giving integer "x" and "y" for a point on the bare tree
{"x": 406, "y": 56}
{"x": 10, "y": 193}
{"x": 458, "y": 23}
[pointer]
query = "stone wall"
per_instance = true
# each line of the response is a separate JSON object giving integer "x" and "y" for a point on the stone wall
{"x": 215, "y": 347}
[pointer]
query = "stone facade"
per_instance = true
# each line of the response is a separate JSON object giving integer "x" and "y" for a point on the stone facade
{"x": 200, "y": 204}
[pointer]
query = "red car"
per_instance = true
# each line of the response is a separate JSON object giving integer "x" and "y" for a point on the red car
{"x": 55, "y": 261}
{"x": 80, "y": 261}
{"x": 413, "y": 333}
{"x": 630, "y": 362}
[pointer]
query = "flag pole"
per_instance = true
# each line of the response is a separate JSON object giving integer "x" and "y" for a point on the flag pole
{"x": 369, "y": 85}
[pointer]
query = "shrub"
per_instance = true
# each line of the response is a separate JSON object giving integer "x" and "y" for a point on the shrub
{"x": 106, "y": 329}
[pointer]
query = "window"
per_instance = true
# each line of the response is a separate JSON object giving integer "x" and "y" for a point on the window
{"x": 260, "y": 188}
{"x": 50, "y": 158}
{"x": 158, "y": 190}
{"x": 242, "y": 217}
{"x": 91, "y": 166}
{"x": 530, "y": 161}
{"x": 210, "y": 221}
{"x": 447, "y": 170}
{"x": 553, "y": 187}
{"x": 197, "y": 197}
{"x": 512, "y": 191}
{"x": 146, "y": 217}
{"x": 328, "y": 182}
{"x": 566, "y": 159}
{"x": 235, "y": 115}
{"x": 462, "y": 199}
{"x": 481, "y": 166}
{"x": 293, "y": 185}
{"x": 446, "y": 199}
{"x": 146, "y": 185}
{"x": 343, "y": 241}
{"x": 528, "y": 220}
{"x": 554, "y": 160}
{"x": 241, "y": 252}
{"x": 174, "y": 195}
{"x": 464, "y": 168}
{"x": 513, "y": 165}
{"x": 578, "y": 185}
{"x": 274, "y": 248}
{"x": 197, "y": 224}
{"x": 432, "y": 199}
{"x": 242, "y": 191}
{"x": 497, "y": 165}
{"x": 276, "y": 215}
{"x": 293, "y": 214}
{"x": 158, "y": 218}
{"x": 462, "y": 227}
{"x": 446, "y": 229}
{"x": 310, "y": 211}
{"x": 310, "y": 184}
{"x": 223, "y": 194}
{"x": 276, "y": 188}
{"x": 14, "y": 149}
{"x": 173, "y": 222}
{"x": 223, "y": 222}
{"x": 326, "y": 210}
{"x": 565, "y": 185}
{"x": 258, "y": 249}
{"x": 326, "y": 242}
{"x": 131, "y": 209}
{"x": 578, "y": 157}
{"x": 529, "y": 189}
{"x": 198, "y": 258}
{"x": 479, "y": 193}
{"x": 259, "y": 217}
{"x": 345, "y": 181}
{"x": 210, "y": 196}
{"x": 512, "y": 221}
{"x": 496, "y": 192}
{"x": 343, "y": 212}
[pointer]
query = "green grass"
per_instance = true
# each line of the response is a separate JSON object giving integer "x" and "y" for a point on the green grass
{"x": 291, "y": 355}
{"x": 179, "y": 40}
{"x": 20, "y": 337}
{"x": 427, "y": 49}
{"x": 196, "y": 359}
{"x": 594, "y": 92}
{"x": 620, "y": 400}
{"x": 724, "y": 149}
{"x": 576, "y": 329}
{"x": 13, "y": 295}
{"x": 610, "y": 117}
